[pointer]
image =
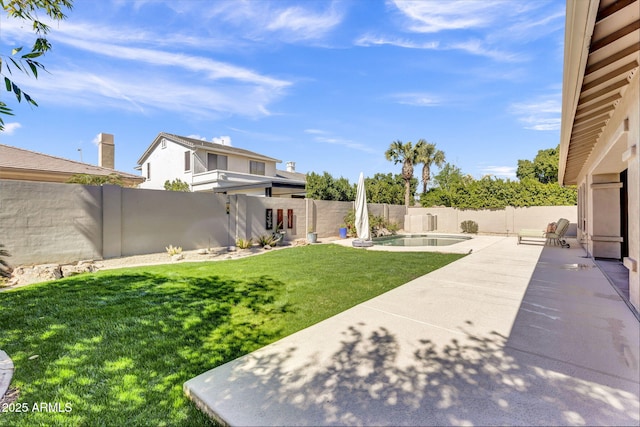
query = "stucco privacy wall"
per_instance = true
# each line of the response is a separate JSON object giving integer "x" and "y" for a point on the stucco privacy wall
{"x": 153, "y": 219}
{"x": 502, "y": 221}
{"x": 50, "y": 222}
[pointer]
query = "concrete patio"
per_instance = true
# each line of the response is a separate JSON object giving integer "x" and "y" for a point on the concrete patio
{"x": 509, "y": 335}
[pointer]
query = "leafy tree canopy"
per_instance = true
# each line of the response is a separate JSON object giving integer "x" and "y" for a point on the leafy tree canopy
{"x": 543, "y": 168}
{"x": 388, "y": 188}
{"x": 86, "y": 179}
{"x": 28, "y": 10}
{"x": 176, "y": 185}
{"x": 326, "y": 187}
{"x": 454, "y": 189}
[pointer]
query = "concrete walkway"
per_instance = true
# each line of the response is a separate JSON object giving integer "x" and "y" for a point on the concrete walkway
{"x": 6, "y": 373}
{"x": 509, "y": 335}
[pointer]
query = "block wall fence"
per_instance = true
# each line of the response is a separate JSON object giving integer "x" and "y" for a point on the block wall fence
{"x": 64, "y": 223}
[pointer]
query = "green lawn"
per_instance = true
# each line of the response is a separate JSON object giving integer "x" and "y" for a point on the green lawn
{"x": 116, "y": 346}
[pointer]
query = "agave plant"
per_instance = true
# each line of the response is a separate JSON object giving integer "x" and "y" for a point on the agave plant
{"x": 5, "y": 270}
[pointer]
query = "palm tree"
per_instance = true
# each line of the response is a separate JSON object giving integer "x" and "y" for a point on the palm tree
{"x": 408, "y": 155}
{"x": 428, "y": 156}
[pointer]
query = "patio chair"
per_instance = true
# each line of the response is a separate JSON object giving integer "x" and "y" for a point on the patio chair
{"x": 556, "y": 237}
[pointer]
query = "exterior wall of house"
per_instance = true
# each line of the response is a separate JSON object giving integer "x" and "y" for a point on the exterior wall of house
{"x": 166, "y": 164}
{"x": 500, "y": 221}
{"x": 600, "y": 185}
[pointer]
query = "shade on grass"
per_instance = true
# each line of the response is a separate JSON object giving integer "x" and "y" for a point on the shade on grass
{"x": 116, "y": 346}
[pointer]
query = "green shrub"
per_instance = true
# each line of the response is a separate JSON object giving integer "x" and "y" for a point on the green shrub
{"x": 375, "y": 223}
{"x": 469, "y": 226}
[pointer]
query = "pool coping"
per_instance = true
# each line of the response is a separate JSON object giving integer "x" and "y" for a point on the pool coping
{"x": 476, "y": 243}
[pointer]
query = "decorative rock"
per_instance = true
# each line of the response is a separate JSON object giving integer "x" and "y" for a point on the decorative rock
{"x": 177, "y": 257}
{"x": 81, "y": 267}
{"x": 35, "y": 274}
{"x": 202, "y": 252}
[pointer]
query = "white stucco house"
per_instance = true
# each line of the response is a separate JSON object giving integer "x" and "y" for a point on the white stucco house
{"x": 600, "y": 131}
{"x": 216, "y": 167}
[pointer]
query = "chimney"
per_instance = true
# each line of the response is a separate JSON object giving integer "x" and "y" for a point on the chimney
{"x": 106, "y": 151}
{"x": 291, "y": 166}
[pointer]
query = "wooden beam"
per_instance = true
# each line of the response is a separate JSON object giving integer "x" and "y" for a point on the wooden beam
{"x": 585, "y": 136}
{"x": 613, "y": 8}
{"x": 582, "y": 146}
{"x": 616, "y": 35}
{"x": 579, "y": 132}
{"x": 607, "y": 101}
{"x": 599, "y": 122}
{"x": 592, "y": 68}
{"x": 606, "y": 110}
{"x": 605, "y": 91}
{"x": 610, "y": 76}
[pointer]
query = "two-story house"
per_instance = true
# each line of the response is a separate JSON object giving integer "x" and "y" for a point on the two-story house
{"x": 216, "y": 167}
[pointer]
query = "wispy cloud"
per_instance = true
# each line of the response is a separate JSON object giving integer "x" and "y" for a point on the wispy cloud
{"x": 432, "y": 17}
{"x": 300, "y": 23}
{"x": 10, "y": 128}
{"x": 183, "y": 83}
{"x": 493, "y": 29}
{"x": 143, "y": 94}
{"x": 373, "y": 40}
{"x": 278, "y": 21}
{"x": 480, "y": 48}
{"x": 328, "y": 138}
{"x": 499, "y": 171}
{"x": 416, "y": 99}
{"x": 541, "y": 114}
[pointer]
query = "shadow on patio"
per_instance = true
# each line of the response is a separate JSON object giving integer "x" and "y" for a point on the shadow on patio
{"x": 571, "y": 358}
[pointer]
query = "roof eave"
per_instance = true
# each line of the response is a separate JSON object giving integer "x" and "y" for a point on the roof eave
{"x": 579, "y": 25}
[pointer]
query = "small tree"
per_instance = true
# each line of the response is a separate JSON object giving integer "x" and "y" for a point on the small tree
{"x": 176, "y": 185}
{"x": 28, "y": 10}
{"x": 86, "y": 179}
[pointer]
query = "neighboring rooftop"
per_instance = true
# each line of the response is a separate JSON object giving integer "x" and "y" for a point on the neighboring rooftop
{"x": 21, "y": 164}
{"x": 194, "y": 143}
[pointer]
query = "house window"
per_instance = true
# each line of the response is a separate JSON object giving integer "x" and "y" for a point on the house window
{"x": 148, "y": 170}
{"x": 187, "y": 161}
{"x": 216, "y": 161}
{"x": 163, "y": 143}
{"x": 256, "y": 168}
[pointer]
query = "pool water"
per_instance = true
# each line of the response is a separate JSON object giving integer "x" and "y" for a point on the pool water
{"x": 419, "y": 240}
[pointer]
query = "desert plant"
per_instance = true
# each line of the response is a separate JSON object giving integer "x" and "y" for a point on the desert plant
{"x": 469, "y": 226}
{"x": 376, "y": 224}
{"x": 244, "y": 243}
{"x": 266, "y": 240}
{"x": 173, "y": 250}
{"x": 5, "y": 270}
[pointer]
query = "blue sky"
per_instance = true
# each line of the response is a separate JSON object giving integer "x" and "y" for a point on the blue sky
{"x": 327, "y": 84}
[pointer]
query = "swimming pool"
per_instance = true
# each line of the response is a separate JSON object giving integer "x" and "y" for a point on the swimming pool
{"x": 419, "y": 240}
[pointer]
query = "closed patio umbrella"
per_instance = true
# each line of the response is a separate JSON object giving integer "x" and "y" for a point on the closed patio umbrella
{"x": 362, "y": 216}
